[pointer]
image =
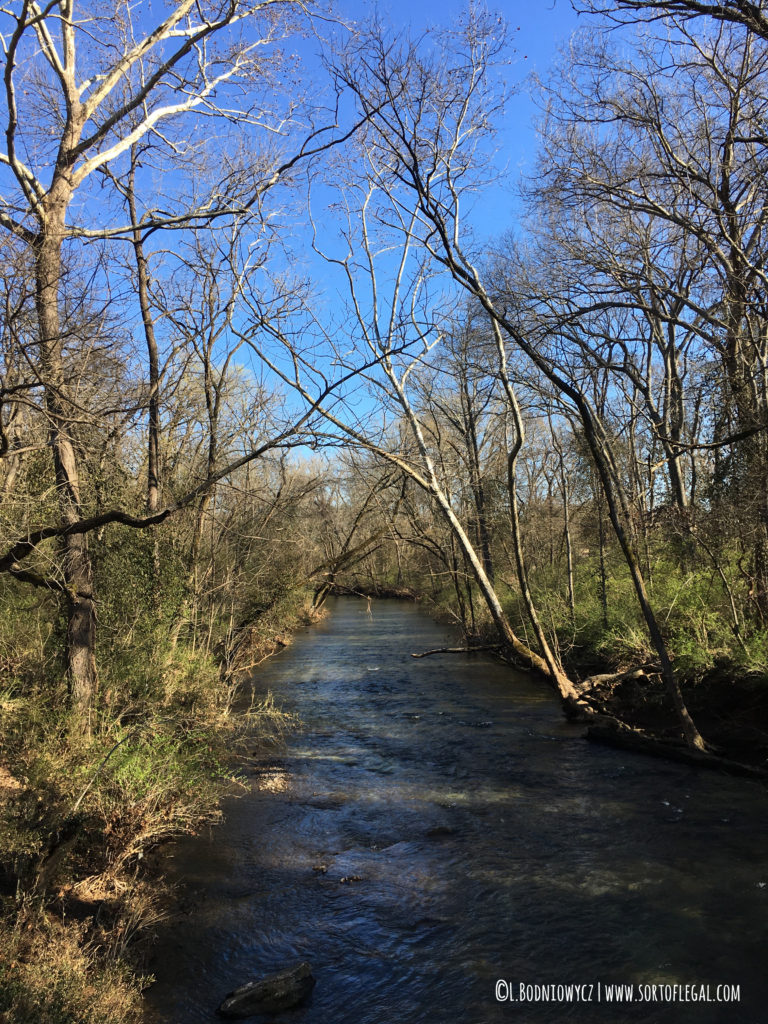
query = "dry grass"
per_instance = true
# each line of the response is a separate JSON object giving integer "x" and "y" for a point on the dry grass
{"x": 50, "y": 973}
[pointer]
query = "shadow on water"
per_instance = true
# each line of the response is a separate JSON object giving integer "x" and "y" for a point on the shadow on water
{"x": 436, "y": 826}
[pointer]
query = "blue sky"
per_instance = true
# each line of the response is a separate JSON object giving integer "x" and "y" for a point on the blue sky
{"x": 538, "y": 29}
{"x": 542, "y": 23}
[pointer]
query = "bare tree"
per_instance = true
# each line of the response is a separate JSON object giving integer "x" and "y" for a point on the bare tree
{"x": 653, "y": 173}
{"x": 82, "y": 90}
{"x": 462, "y": 393}
{"x": 394, "y": 325}
{"x": 747, "y": 13}
{"x": 442, "y": 108}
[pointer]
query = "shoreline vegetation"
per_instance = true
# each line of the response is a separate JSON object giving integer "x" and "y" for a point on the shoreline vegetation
{"x": 83, "y": 822}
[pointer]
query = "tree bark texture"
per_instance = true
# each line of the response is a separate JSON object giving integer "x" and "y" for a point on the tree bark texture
{"x": 77, "y": 569}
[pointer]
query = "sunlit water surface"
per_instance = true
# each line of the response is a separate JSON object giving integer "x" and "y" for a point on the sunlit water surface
{"x": 437, "y": 826}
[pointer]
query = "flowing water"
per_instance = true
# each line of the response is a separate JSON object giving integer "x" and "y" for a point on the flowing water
{"x": 437, "y": 827}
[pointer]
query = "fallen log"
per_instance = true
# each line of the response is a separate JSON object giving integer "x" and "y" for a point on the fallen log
{"x": 612, "y": 678}
{"x": 625, "y": 738}
{"x": 456, "y": 650}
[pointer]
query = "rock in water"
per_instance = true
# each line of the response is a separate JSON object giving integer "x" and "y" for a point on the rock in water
{"x": 276, "y": 992}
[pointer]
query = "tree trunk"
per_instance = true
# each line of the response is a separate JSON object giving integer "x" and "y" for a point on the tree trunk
{"x": 568, "y": 541}
{"x": 506, "y": 634}
{"x": 603, "y": 576}
{"x": 612, "y": 490}
{"x": 153, "y": 424}
{"x": 142, "y": 276}
{"x": 692, "y": 736}
{"x": 565, "y": 492}
{"x": 478, "y": 495}
{"x": 78, "y": 575}
{"x": 11, "y": 464}
{"x": 564, "y": 685}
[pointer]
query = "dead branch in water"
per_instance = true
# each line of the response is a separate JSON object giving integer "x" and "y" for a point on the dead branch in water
{"x": 457, "y": 650}
{"x": 591, "y": 682}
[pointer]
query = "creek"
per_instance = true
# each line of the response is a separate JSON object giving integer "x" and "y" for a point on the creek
{"x": 436, "y": 826}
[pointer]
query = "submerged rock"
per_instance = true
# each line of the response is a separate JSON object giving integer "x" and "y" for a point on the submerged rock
{"x": 276, "y": 992}
{"x": 441, "y": 832}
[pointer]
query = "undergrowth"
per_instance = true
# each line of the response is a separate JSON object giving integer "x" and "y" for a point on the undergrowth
{"x": 79, "y": 815}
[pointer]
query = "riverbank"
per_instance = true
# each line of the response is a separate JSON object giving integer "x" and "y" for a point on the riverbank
{"x": 727, "y": 701}
{"x": 730, "y": 711}
{"x": 81, "y": 817}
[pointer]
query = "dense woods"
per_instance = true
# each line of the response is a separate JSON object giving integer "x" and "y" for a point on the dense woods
{"x": 255, "y": 350}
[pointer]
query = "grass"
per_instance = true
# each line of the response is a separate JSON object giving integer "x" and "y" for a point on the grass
{"x": 51, "y": 972}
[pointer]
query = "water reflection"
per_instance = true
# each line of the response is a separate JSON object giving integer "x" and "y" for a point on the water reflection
{"x": 437, "y": 826}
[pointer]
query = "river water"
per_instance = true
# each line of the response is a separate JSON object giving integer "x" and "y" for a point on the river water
{"x": 436, "y": 827}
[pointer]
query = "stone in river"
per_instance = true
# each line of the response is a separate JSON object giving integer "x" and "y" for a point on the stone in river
{"x": 271, "y": 994}
{"x": 441, "y": 832}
